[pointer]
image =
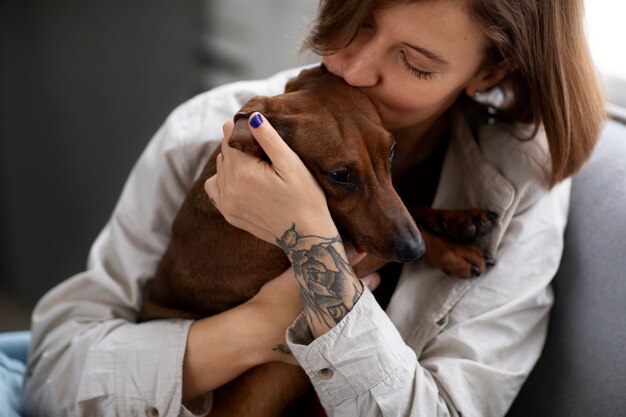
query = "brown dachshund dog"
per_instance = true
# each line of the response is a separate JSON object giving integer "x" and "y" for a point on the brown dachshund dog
{"x": 211, "y": 266}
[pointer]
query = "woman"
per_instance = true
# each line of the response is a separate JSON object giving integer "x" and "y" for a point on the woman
{"x": 444, "y": 346}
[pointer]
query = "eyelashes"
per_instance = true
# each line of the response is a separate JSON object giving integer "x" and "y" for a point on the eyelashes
{"x": 415, "y": 71}
{"x": 369, "y": 25}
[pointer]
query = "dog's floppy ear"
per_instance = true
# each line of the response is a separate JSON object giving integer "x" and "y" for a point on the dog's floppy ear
{"x": 305, "y": 76}
{"x": 242, "y": 138}
{"x": 274, "y": 111}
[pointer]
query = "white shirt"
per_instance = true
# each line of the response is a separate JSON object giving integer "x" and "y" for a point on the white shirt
{"x": 444, "y": 347}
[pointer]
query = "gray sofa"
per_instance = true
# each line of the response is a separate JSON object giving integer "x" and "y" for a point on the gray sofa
{"x": 582, "y": 371}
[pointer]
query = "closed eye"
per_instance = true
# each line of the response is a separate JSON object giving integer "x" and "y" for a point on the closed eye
{"x": 425, "y": 75}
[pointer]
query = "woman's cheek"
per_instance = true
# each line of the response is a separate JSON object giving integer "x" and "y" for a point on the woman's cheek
{"x": 333, "y": 63}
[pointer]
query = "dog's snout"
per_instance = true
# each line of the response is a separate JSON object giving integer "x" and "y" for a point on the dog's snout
{"x": 410, "y": 249}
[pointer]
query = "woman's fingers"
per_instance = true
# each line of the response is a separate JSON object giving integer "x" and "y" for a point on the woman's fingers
{"x": 213, "y": 191}
{"x": 212, "y": 185}
{"x": 216, "y": 187}
{"x": 227, "y": 128}
{"x": 274, "y": 146}
{"x": 267, "y": 199}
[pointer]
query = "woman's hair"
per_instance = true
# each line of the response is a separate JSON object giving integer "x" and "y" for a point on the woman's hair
{"x": 542, "y": 43}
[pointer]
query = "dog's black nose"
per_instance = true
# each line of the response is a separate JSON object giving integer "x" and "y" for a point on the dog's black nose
{"x": 410, "y": 250}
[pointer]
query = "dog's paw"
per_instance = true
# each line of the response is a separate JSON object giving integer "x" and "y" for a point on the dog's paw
{"x": 458, "y": 225}
{"x": 460, "y": 260}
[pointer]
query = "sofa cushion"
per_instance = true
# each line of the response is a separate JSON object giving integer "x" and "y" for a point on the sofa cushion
{"x": 582, "y": 371}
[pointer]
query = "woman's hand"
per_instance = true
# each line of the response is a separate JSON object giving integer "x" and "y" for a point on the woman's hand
{"x": 281, "y": 203}
{"x": 267, "y": 199}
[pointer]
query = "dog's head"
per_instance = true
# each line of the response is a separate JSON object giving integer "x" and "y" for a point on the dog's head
{"x": 336, "y": 131}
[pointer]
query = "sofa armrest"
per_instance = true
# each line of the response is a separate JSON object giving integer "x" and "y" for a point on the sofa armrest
{"x": 582, "y": 371}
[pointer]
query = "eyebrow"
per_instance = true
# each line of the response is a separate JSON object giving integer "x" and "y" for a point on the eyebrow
{"x": 429, "y": 54}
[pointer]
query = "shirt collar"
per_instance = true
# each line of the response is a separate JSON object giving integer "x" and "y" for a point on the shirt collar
{"x": 465, "y": 166}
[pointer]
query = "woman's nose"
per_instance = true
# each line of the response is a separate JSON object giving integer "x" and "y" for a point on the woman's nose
{"x": 361, "y": 65}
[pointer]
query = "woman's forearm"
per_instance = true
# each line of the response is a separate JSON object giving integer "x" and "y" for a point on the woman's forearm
{"x": 219, "y": 348}
{"x": 328, "y": 286}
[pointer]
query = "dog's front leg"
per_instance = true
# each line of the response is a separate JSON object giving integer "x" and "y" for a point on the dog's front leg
{"x": 453, "y": 239}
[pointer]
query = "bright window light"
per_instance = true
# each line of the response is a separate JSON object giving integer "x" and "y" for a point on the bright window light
{"x": 606, "y": 32}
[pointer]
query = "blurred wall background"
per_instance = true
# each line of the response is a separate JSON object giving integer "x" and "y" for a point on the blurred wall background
{"x": 83, "y": 86}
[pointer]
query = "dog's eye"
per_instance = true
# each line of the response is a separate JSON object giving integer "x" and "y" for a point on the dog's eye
{"x": 342, "y": 176}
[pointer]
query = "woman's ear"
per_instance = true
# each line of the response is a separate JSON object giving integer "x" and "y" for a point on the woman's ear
{"x": 486, "y": 78}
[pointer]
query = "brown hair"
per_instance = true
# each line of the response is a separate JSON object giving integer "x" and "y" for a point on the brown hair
{"x": 552, "y": 79}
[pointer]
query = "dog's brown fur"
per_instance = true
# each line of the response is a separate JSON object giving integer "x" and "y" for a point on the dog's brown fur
{"x": 211, "y": 266}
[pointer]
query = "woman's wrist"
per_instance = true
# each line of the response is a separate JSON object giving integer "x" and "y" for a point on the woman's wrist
{"x": 328, "y": 286}
{"x": 266, "y": 334}
{"x": 320, "y": 226}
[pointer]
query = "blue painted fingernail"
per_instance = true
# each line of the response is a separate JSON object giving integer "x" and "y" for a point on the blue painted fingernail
{"x": 256, "y": 120}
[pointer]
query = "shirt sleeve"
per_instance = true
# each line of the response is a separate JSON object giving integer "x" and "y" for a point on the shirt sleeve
{"x": 473, "y": 362}
{"x": 88, "y": 356}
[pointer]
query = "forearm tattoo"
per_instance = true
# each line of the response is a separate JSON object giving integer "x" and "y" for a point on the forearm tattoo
{"x": 327, "y": 283}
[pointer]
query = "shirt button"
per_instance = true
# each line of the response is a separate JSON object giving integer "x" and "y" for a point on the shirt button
{"x": 152, "y": 412}
{"x": 325, "y": 374}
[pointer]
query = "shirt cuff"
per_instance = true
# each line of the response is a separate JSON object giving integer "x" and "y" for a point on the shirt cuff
{"x": 357, "y": 354}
